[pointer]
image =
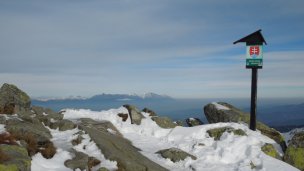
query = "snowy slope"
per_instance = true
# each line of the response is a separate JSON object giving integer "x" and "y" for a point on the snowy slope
{"x": 235, "y": 153}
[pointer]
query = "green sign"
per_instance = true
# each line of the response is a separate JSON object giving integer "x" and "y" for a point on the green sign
{"x": 254, "y": 56}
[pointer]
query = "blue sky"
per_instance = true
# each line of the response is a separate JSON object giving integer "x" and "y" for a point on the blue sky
{"x": 182, "y": 48}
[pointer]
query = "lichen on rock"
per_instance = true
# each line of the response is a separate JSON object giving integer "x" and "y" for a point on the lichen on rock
{"x": 294, "y": 154}
{"x": 270, "y": 151}
{"x": 216, "y": 133}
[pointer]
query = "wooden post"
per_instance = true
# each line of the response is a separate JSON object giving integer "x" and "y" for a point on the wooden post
{"x": 254, "y": 81}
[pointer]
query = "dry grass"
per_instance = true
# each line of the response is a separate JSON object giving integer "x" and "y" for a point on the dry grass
{"x": 7, "y": 138}
{"x": 3, "y": 156}
{"x": 93, "y": 162}
{"x": 32, "y": 145}
{"x": 48, "y": 150}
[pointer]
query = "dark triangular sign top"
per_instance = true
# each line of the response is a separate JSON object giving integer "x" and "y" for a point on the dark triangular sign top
{"x": 255, "y": 38}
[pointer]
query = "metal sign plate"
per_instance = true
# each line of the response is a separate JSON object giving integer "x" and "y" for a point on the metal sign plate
{"x": 254, "y": 56}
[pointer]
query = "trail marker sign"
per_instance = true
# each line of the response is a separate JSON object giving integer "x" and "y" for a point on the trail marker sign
{"x": 254, "y": 56}
{"x": 254, "y": 60}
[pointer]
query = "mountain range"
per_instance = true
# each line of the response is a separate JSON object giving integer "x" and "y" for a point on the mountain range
{"x": 283, "y": 115}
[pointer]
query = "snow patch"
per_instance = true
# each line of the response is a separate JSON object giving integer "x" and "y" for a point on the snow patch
{"x": 219, "y": 106}
{"x": 231, "y": 152}
{"x": 56, "y": 163}
{"x": 2, "y": 128}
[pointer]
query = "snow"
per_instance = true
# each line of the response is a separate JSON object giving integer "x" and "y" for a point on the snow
{"x": 2, "y": 128}
{"x": 219, "y": 106}
{"x": 231, "y": 152}
{"x": 56, "y": 163}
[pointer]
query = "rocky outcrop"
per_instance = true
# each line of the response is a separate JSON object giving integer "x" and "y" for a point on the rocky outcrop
{"x": 116, "y": 148}
{"x": 164, "y": 122}
{"x": 134, "y": 114}
{"x": 13, "y": 100}
{"x": 16, "y": 158}
{"x": 216, "y": 133}
{"x": 294, "y": 154}
{"x": 193, "y": 122}
{"x": 224, "y": 112}
{"x": 175, "y": 154}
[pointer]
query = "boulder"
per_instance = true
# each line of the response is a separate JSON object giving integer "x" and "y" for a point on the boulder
{"x": 216, "y": 133}
{"x": 270, "y": 151}
{"x": 193, "y": 122}
{"x": 33, "y": 135}
{"x": 224, "y": 112}
{"x": 294, "y": 154}
{"x": 30, "y": 126}
{"x": 134, "y": 114}
{"x": 151, "y": 112}
{"x": 175, "y": 154}
{"x": 17, "y": 158}
{"x": 81, "y": 161}
{"x": 164, "y": 122}
{"x": 116, "y": 148}
{"x": 13, "y": 100}
{"x": 63, "y": 125}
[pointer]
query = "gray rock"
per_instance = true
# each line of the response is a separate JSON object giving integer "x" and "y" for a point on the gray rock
{"x": 17, "y": 158}
{"x": 294, "y": 154}
{"x": 164, "y": 122}
{"x": 13, "y": 100}
{"x": 63, "y": 125}
{"x": 216, "y": 133}
{"x": 46, "y": 115}
{"x": 81, "y": 161}
{"x": 134, "y": 114}
{"x": 193, "y": 122}
{"x": 175, "y": 154}
{"x": 116, "y": 148}
{"x": 32, "y": 126}
{"x": 215, "y": 115}
{"x": 104, "y": 126}
{"x": 151, "y": 112}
